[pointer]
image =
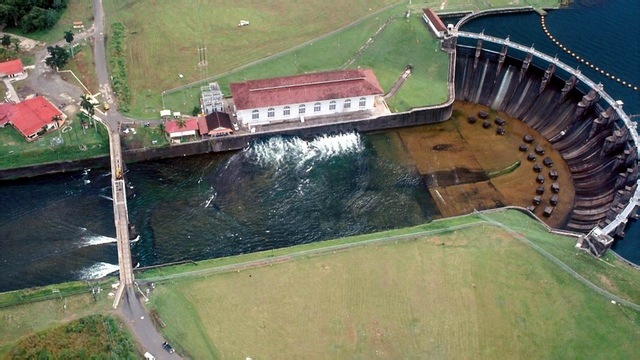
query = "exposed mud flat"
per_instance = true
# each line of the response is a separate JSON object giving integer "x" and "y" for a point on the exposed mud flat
{"x": 456, "y": 158}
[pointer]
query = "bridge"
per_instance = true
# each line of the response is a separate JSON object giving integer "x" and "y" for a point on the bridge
{"x": 629, "y": 209}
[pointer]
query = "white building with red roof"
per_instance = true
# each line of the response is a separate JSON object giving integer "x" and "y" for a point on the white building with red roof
{"x": 265, "y": 101}
{"x": 176, "y": 129}
{"x": 434, "y": 22}
{"x": 11, "y": 69}
{"x": 32, "y": 117}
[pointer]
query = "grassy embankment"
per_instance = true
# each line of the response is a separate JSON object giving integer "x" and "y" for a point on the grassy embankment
{"x": 400, "y": 43}
{"x": 28, "y": 311}
{"x": 94, "y": 337}
{"x": 470, "y": 292}
{"x": 234, "y": 47}
{"x": 76, "y": 144}
{"x": 466, "y": 5}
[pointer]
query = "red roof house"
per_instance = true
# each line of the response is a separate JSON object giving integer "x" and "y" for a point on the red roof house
{"x": 174, "y": 129}
{"x": 11, "y": 68}
{"x": 292, "y": 98}
{"x": 32, "y": 116}
{"x": 434, "y": 22}
{"x": 304, "y": 88}
{"x": 215, "y": 124}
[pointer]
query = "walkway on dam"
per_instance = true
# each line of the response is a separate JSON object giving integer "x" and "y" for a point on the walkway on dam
{"x": 629, "y": 209}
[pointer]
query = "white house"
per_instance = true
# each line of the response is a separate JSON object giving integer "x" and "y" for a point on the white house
{"x": 265, "y": 101}
{"x": 434, "y": 22}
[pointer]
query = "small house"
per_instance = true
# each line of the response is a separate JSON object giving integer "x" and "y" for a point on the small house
{"x": 11, "y": 69}
{"x": 215, "y": 124}
{"x": 32, "y": 117}
{"x": 177, "y": 129}
{"x": 434, "y": 22}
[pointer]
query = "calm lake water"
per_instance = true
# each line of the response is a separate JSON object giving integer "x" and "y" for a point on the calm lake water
{"x": 280, "y": 192}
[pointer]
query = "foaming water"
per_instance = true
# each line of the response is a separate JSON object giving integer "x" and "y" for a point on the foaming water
{"x": 278, "y": 192}
{"x": 97, "y": 240}
{"x": 98, "y": 270}
{"x": 278, "y": 150}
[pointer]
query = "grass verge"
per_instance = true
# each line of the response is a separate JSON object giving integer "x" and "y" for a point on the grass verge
{"x": 491, "y": 294}
{"x": 71, "y": 142}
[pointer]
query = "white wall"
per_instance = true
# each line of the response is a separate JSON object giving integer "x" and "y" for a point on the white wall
{"x": 183, "y": 133}
{"x": 246, "y": 116}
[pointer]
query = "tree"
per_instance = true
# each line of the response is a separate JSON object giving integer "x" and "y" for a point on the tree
{"x": 68, "y": 37}
{"x": 6, "y": 41}
{"x": 181, "y": 122}
{"x": 16, "y": 44}
{"x": 58, "y": 57}
{"x": 87, "y": 105}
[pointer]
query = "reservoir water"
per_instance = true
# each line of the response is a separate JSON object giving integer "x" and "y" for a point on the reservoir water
{"x": 280, "y": 192}
{"x": 605, "y": 33}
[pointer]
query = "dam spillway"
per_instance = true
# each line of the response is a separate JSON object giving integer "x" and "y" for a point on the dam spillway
{"x": 581, "y": 121}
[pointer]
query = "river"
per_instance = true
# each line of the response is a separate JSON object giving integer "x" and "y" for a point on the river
{"x": 279, "y": 192}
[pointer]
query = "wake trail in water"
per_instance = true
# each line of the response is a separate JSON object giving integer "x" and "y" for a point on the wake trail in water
{"x": 97, "y": 240}
{"x": 98, "y": 270}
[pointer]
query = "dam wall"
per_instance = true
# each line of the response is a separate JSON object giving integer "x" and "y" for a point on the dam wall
{"x": 585, "y": 125}
{"x": 415, "y": 117}
{"x": 421, "y": 116}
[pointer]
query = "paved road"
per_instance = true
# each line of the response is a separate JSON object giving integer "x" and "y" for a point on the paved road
{"x": 139, "y": 322}
{"x": 131, "y": 310}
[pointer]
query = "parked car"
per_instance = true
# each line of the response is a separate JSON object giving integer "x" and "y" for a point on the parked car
{"x": 168, "y": 347}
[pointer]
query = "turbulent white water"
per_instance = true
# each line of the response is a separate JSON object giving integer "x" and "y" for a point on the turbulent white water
{"x": 97, "y": 240}
{"x": 279, "y": 150}
{"x": 98, "y": 270}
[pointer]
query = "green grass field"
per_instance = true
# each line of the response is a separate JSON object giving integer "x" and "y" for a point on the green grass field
{"x": 76, "y": 144}
{"x": 402, "y": 42}
{"x": 90, "y": 337}
{"x": 469, "y": 293}
{"x": 18, "y": 321}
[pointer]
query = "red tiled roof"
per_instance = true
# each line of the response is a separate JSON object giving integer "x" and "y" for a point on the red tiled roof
{"x": 215, "y": 123}
{"x": 31, "y": 115}
{"x": 435, "y": 19}
{"x": 11, "y": 67}
{"x": 172, "y": 126}
{"x": 305, "y": 88}
{"x": 5, "y": 113}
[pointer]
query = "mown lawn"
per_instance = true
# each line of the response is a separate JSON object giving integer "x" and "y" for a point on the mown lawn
{"x": 69, "y": 143}
{"x": 470, "y": 293}
{"x": 163, "y": 43}
{"x": 400, "y": 43}
{"x": 608, "y": 273}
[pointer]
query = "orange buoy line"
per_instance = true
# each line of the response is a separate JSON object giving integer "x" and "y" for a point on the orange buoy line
{"x": 581, "y": 59}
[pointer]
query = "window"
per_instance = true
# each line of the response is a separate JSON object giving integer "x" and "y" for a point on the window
{"x": 271, "y": 112}
{"x": 255, "y": 114}
{"x": 286, "y": 111}
{"x": 363, "y": 102}
{"x": 347, "y": 104}
{"x": 332, "y": 105}
{"x": 317, "y": 107}
{"x": 301, "y": 109}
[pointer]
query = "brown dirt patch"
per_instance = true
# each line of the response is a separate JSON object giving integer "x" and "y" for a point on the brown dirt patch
{"x": 455, "y": 158}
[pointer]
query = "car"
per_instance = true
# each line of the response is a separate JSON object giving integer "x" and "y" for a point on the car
{"x": 168, "y": 347}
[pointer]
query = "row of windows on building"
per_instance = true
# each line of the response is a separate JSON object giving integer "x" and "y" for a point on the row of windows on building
{"x": 317, "y": 107}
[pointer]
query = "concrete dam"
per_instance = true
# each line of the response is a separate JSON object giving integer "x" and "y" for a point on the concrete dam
{"x": 590, "y": 130}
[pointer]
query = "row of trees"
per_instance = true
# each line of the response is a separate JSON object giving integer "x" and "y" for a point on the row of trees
{"x": 31, "y": 15}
